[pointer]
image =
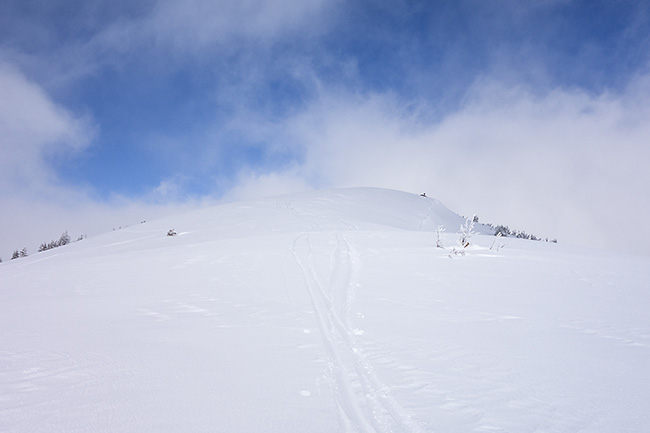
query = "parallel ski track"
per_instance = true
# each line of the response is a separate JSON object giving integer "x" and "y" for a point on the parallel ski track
{"x": 373, "y": 409}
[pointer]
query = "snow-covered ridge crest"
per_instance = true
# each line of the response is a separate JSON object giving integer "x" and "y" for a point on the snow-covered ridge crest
{"x": 327, "y": 210}
{"x": 346, "y": 208}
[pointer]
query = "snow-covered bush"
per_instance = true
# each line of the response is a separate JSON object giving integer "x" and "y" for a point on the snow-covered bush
{"x": 464, "y": 240}
{"x": 466, "y": 233}
{"x": 439, "y": 231}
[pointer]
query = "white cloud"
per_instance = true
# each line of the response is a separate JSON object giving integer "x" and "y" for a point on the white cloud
{"x": 170, "y": 189}
{"x": 33, "y": 128}
{"x": 564, "y": 164}
{"x": 250, "y": 185}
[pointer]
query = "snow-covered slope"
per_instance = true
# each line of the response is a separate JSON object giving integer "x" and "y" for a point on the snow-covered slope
{"x": 322, "y": 312}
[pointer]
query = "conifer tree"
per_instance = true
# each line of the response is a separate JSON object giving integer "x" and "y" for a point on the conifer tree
{"x": 64, "y": 239}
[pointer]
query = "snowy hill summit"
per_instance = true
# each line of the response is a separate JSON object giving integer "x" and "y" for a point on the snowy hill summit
{"x": 348, "y": 209}
{"x": 330, "y": 210}
{"x": 332, "y": 311}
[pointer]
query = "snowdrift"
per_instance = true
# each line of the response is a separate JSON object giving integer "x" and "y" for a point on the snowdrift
{"x": 322, "y": 312}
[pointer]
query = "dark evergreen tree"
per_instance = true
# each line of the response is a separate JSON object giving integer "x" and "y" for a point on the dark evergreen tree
{"x": 64, "y": 239}
{"x": 501, "y": 230}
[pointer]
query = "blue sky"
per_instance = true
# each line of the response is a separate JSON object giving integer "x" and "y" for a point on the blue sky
{"x": 532, "y": 114}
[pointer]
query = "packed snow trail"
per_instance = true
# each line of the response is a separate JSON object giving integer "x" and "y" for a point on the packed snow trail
{"x": 377, "y": 411}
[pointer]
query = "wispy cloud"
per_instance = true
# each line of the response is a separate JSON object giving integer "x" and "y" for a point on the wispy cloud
{"x": 196, "y": 24}
{"x": 202, "y": 30}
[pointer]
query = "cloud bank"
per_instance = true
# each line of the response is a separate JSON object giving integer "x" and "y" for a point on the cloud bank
{"x": 563, "y": 164}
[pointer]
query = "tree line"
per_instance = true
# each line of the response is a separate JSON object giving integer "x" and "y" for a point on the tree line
{"x": 501, "y": 230}
{"x": 64, "y": 239}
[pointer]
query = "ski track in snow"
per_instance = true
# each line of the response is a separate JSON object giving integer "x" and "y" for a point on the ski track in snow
{"x": 427, "y": 215}
{"x": 363, "y": 401}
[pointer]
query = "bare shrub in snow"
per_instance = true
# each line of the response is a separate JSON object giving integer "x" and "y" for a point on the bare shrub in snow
{"x": 456, "y": 252}
{"x": 497, "y": 244}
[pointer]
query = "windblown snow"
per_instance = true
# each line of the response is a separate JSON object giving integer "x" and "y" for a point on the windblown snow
{"x": 327, "y": 311}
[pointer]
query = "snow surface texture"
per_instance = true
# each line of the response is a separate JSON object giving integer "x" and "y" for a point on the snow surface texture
{"x": 322, "y": 312}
